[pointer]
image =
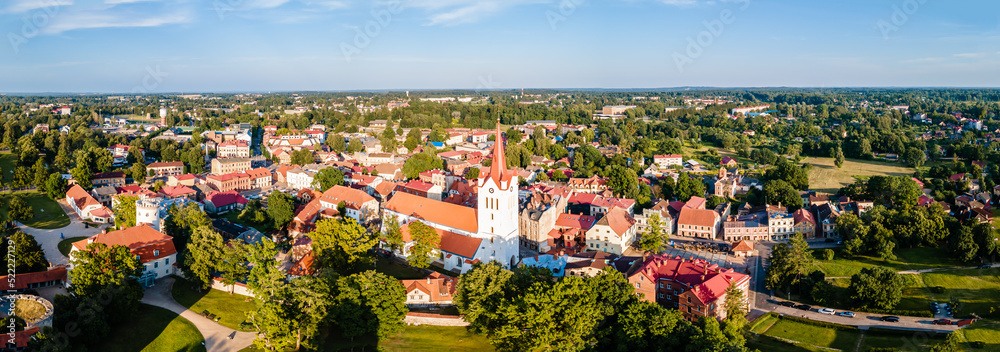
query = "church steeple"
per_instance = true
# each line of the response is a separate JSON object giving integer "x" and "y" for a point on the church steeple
{"x": 498, "y": 166}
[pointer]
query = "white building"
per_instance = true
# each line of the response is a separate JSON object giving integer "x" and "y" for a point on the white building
{"x": 484, "y": 234}
{"x": 154, "y": 249}
{"x": 298, "y": 178}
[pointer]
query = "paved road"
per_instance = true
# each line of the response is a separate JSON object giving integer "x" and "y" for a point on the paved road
{"x": 862, "y": 320}
{"x": 216, "y": 336}
{"x": 49, "y": 238}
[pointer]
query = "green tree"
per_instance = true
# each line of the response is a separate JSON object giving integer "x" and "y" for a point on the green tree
{"x": 789, "y": 262}
{"x": 281, "y": 208}
{"x": 421, "y": 162}
{"x": 425, "y": 241}
{"x": 839, "y": 157}
{"x": 480, "y": 293}
{"x": 655, "y": 237}
{"x": 19, "y": 209}
{"x": 472, "y": 173}
{"x": 232, "y": 266}
{"x": 963, "y": 244}
{"x": 302, "y": 157}
{"x": 736, "y": 306}
{"x": 99, "y": 268}
{"x": 876, "y": 287}
{"x": 370, "y": 303}
{"x": 30, "y": 256}
{"x": 138, "y": 171}
{"x": 781, "y": 192}
{"x": 915, "y": 157}
{"x": 83, "y": 176}
{"x": 393, "y": 235}
{"x": 623, "y": 181}
{"x": 41, "y": 174}
{"x": 327, "y": 178}
{"x": 291, "y": 318}
{"x": 337, "y": 143}
{"x": 343, "y": 246}
{"x": 413, "y": 139}
{"x": 125, "y": 211}
{"x": 202, "y": 255}
{"x": 559, "y": 317}
{"x": 55, "y": 186}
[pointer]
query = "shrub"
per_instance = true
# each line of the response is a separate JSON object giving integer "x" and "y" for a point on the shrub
{"x": 937, "y": 289}
{"x": 828, "y": 254}
{"x": 978, "y": 344}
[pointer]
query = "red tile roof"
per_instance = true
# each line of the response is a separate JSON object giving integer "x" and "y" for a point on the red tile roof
{"x": 464, "y": 246}
{"x": 436, "y": 286}
{"x": 698, "y": 217}
{"x": 707, "y": 281}
{"x": 176, "y": 191}
{"x": 619, "y": 220}
{"x": 434, "y": 211}
{"x": 22, "y": 281}
{"x": 141, "y": 240}
{"x": 804, "y": 215}
{"x": 584, "y": 222}
{"x": 221, "y": 199}
{"x": 165, "y": 164}
{"x": 81, "y": 197}
{"x": 352, "y": 198}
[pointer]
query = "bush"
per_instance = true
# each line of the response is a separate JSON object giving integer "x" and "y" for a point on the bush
{"x": 937, "y": 289}
{"x": 977, "y": 344}
{"x": 828, "y": 254}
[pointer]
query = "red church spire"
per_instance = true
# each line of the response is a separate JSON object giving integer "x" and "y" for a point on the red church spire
{"x": 498, "y": 166}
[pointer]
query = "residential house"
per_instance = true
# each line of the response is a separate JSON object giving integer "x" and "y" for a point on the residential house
{"x": 229, "y": 182}
{"x": 233, "y": 149}
{"x": 696, "y": 221}
{"x": 593, "y": 184}
{"x": 222, "y": 202}
{"x": 165, "y": 169}
{"x": 694, "y": 287}
{"x": 358, "y": 205}
{"x": 230, "y": 165}
{"x": 665, "y": 161}
{"x": 88, "y": 208}
{"x": 260, "y": 177}
{"x": 154, "y": 249}
{"x": 114, "y": 179}
{"x": 613, "y": 233}
{"x": 435, "y": 290}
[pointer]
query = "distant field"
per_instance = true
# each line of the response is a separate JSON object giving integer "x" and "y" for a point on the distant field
{"x": 826, "y": 177}
{"x": 48, "y": 213}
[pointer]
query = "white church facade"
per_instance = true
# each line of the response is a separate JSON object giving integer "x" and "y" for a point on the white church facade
{"x": 486, "y": 233}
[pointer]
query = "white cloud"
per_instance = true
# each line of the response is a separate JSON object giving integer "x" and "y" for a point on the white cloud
{"x": 970, "y": 55}
{"x": 454, "y": 12}
{"x": 19, "y": 6}
{"x": 91, "y": 20}
{"x": 328, "y": 5}
{"x": 261, "y": 4}
{"x": 118, "y": 2}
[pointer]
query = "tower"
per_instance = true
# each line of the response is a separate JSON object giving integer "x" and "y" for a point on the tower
{"x": 497, "y": 208}
{"x": 147, "y": 212}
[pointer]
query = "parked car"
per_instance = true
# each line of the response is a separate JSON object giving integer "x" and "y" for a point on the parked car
{"x": 786, "y": 303}
{"x": 942, "y": 322}
{"x": 804, "y": 307}
{"x": 826, "y": 311}
{"x": 830, "y": 240}
{"x": 846, "y": 314}
{"x": 985, "y": 266}
{"x": 891, "y": 319}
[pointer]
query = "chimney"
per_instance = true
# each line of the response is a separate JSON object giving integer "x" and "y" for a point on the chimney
{"x": 428, "y": 280}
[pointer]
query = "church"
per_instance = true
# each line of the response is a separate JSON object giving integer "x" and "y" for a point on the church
{"x": 488, "y": 232}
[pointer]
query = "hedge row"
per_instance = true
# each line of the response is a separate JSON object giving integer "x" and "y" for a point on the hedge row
{"x": 888, "y": 331}
{"x": 910, "y": 313}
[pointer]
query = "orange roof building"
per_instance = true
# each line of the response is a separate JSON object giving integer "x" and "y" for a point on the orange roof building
{"x": 485, "y": 233}
{"x": 154, "y": 249}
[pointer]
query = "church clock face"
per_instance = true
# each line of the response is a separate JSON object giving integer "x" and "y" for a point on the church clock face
{"x": 491, "y": 190}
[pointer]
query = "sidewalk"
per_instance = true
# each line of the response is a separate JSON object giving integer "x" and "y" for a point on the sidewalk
{"x": 216, "y": 336}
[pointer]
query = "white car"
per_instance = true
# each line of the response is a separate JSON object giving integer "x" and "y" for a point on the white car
{"x": 826, "y": 311}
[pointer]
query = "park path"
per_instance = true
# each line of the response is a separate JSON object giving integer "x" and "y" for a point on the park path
{"x": 914, "y": 272}
{"x": 217, "y": 337}
{"x": 49, "y": 238}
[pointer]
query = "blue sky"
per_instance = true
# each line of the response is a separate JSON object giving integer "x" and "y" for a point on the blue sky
{"x": 155, "y": 46}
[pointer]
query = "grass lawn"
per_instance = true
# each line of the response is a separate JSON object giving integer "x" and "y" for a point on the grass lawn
{"x": 418, "y": 338}
{"x": 233, "y": 217}
{"x": 397, "y": 270}
{"x": 770, "y": 344}
{"x": 763, "y": 323}
{"x": 985, "y": 331}
{"x": 48, "y": 213}
{"x": 903, "y": 343}
{"x": 8, "y": 162}
{"x": 66, "y": 245}
{"x": 977, "y": 290}
{"x": 231, "y": 308}
{"x": 826, "y": 177}
{"x": 907, "y": 259}
{"x": 814, "y": 335}
{"x": 153, "y": 330}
